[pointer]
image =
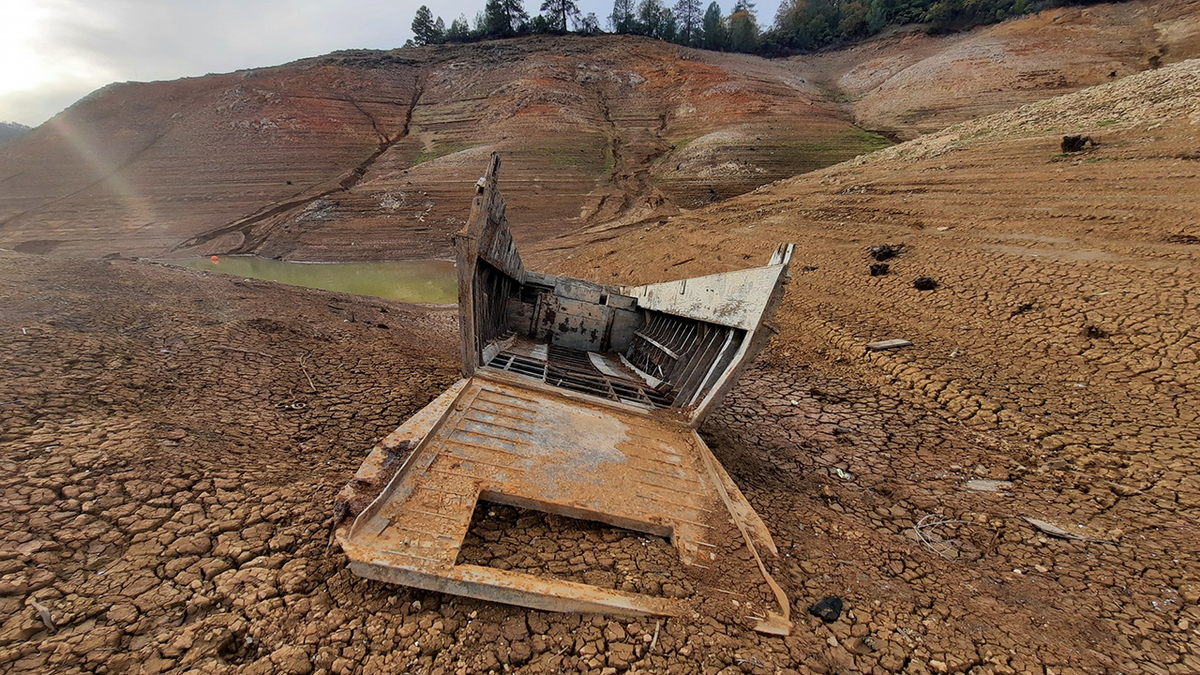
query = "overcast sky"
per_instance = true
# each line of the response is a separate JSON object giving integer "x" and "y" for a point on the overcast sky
{"x": 53, "y": 52}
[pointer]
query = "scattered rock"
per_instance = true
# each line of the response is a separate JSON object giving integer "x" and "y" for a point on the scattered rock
{"x": 988, "y": 485}
{"x": 864, "y": 645}
{"x": 1077, "y": 143}
{"x": 881, "y": 252}
{"x": 828, "y": 609}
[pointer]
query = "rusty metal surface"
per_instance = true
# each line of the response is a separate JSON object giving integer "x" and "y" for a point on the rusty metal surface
{"x": 540, "y": 449}
{"x": 581, "y": 400}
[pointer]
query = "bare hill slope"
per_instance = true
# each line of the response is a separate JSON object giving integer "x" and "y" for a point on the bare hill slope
{"x": 908, "y": 83}
{"x": 371, "y": 155}
{"x": 11, "y": 131}
{"x": 368, "y": 155}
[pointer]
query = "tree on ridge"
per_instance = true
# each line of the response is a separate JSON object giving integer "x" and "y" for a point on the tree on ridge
{"x": 503, "y": 18}
{"x": 622, "y": 19}
{"x": 688, "y": 16}
{"x": 559, "y": 11}
{"x": 714, "y": 27}
{"x": 425, "y": 30}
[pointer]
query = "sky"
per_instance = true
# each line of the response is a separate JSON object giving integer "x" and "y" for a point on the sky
{"x": 54, "y": 52}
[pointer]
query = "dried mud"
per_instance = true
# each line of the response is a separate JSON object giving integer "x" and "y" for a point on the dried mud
{"x": 1058, "y": 353}
{"x": 171, "y": 442}
{"x": 167, "y": 497}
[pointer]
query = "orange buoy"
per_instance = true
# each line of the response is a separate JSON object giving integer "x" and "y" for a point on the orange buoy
{"x": 215, "y": 259}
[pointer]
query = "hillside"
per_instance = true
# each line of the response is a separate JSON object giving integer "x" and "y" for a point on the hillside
{"x": 11, "y": 131}
{"x": 372, "y": 155}
{"x": 908, "y": 83}
{"x": 173, "y": 440}
{"x": 369, "y": 155}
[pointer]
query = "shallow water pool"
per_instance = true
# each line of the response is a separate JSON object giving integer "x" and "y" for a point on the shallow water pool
{"x": 430, "y": 281}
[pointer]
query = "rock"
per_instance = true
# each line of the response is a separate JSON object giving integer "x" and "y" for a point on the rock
{"x": 1076, "y": 143}
{"x": 881, "y": 252}
{"x": 925, "y": 283}
{"x": 291, "y": 660}
{"x": 863, "y": 645}
{"x": 879, "y": 269}
{"x": 828, "y": 609}
{"x": 987, "y": 485}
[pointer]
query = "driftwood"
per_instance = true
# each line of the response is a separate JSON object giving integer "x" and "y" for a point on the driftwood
{"x": 1056, "y": 531}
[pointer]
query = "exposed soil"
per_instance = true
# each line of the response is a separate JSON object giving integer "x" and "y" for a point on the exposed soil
{"x": 171, "y": 442}
{"x": 906, "y": 83}
{"x": 167, "y": 496}
{"x": 1060, "y": 341}
{"x": 370, "y": 155}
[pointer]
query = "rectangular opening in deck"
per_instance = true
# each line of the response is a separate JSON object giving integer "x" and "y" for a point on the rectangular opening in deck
{"x": 529, "y": 541}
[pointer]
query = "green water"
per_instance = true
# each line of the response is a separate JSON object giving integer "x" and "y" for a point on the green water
{"x": 431, "y": 281}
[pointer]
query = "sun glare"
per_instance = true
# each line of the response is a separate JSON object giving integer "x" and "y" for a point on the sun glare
{"x": 21, "y": 66}
{"x": 35, "y": 53}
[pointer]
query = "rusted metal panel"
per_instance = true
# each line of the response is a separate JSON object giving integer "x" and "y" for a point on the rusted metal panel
{"x": 538, "y": 448}
{"x": 735, "y": 299}
{"x": 578, "y": 399}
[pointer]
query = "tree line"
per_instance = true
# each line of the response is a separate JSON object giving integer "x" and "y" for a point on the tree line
{"x": 799, "y": 26}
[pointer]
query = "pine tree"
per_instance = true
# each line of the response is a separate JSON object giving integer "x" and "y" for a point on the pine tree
{"x": 743, "y": 28}
{"x": 503, "y": 18}
{"x": 518, "y": 18}
{"x": 425, "y": 30}
{"x": 668, "y": 29}
{"x": 688, "y": 15}
{"x": 589, "y": 25}
{"x": 714, "y": 27}
{"x": 558, "y": 11}
{"x": 622, "y": 19}
{"x": 650, "y": 18}
{"x": 459, "y": 30}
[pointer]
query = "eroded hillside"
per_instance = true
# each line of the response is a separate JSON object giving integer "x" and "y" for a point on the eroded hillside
{"x": 372, "y": 155}
{"x": 368, "y": 155}
{"x": 908, "y": 83}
